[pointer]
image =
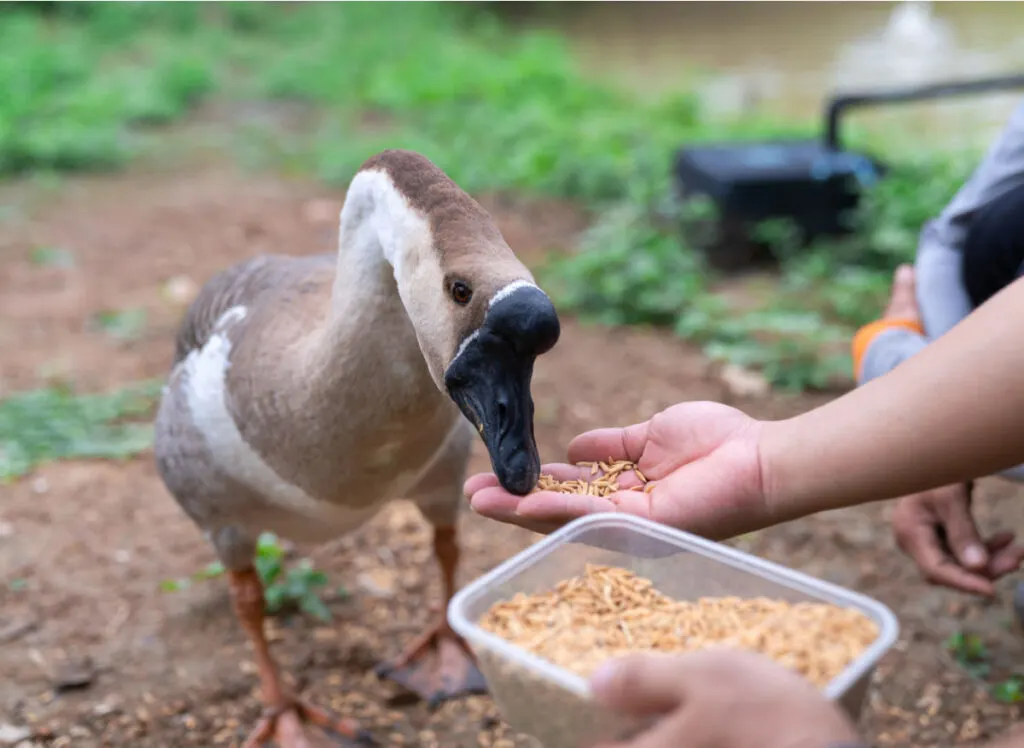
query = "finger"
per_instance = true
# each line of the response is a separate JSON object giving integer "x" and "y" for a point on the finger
{"x": 478, "y": 482}
{"x": 961, "y": 533}
{"x": 559, "y": 508}
{"x": 1005, "y": 560}
{"x": 546, "y": 511}
{"x": 949, "y": 574}
{"x": 938, "y": 568}
{"x": 498, "y": 504}
{"x": 640, "y": 685}
{"x": 617, "y": 444}
{"x": 999, "y": 540}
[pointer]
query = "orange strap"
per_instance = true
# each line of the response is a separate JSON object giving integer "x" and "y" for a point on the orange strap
{"x": 870, "y": 331}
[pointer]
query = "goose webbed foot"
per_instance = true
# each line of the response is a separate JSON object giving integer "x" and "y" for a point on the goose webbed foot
{"x": 437, "y": 667}
{"x": 283, "y": 725}
{"x": 284, "y": 716}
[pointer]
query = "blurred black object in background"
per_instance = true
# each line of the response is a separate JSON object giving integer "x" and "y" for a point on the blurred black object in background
{"x": 814, "y": 183}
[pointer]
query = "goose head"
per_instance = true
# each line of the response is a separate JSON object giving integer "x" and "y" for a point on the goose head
{"x": 479, "y": 317}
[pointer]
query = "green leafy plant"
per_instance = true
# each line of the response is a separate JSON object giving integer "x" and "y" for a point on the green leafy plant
{"x": 970, "y": 652}
{"x": 284, "y": 589}
{"x": 499, "y": 110}
{"x": 71, "y": 98}
{"x": 121, "y": 324}
{"x": 52, "y": 257}
{"x": 55, "y": 423}
{"x": 627, "y": 272}
{"x": 211, "y": 570}
{"x": 633, "y": 269}
{"x": 1009, "y": 691}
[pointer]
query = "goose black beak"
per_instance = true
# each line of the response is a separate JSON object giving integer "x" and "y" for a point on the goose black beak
{"x": 490, "y": 381}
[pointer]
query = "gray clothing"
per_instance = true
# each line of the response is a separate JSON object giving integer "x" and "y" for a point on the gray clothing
{"x": 942, "y": 295}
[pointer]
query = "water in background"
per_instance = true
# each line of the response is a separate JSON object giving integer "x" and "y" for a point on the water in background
{"x": 785, "y": 58}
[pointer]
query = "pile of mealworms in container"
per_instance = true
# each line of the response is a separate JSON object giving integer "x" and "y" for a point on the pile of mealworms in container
{"x": 608, "y": 611}
{"x": 602, "y": 481}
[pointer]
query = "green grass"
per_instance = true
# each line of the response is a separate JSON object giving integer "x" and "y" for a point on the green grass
{"x": 970, "y": 652}
{"x": 121, "y": 324}
{"x": 972, "y": 655}
{"x": 52, "y": 257}
{"x": 71, "y": 103}
{"x": 498, "y": 110}
{"x": 90, "y": 86}
{"x": 1009, "y": 691}
{"x": 55, "y": 423}
{"x": 284, "y": 589}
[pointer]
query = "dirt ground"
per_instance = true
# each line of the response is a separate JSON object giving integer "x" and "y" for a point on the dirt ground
{"x": 84, "y": 546}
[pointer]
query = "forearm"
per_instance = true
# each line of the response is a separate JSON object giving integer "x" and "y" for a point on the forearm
{"x": 953, "y": 412}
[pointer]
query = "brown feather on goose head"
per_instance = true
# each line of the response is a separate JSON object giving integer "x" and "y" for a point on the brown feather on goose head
{"x": 480, "y": 318}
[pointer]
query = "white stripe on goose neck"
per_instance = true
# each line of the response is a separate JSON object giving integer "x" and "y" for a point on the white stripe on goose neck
{"x": 375, "y": 215}
{"x": 506, "y": 291}
{"x": 501, "y": 294}
{"x": 465, "y": 344}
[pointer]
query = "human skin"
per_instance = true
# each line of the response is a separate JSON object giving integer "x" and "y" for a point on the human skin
{"x": 950, "y": 414}
{"x": 953, "y": 412}
{"x": 937, "y": 528}
{"x": 697, "y": 696}
{"x": 695, "y": 699}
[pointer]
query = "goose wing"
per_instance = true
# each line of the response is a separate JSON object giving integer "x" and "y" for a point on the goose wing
{"x": 243, "y": 284}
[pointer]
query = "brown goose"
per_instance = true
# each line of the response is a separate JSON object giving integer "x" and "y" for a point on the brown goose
{"x": 308, "y": 392}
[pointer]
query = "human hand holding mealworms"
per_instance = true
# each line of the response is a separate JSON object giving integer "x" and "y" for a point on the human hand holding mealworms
{"x": 719, "y": 698}
{"x": 950, "y": 413}
{"x": 700, "y": 459}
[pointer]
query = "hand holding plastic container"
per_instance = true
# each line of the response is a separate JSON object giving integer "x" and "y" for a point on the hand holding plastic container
{"x": 553, "y": 704}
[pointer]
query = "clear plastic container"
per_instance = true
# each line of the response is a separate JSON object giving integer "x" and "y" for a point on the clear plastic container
{"x": 554, "y": 705}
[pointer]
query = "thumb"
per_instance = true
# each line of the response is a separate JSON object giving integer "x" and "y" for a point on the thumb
{"x": 962, "y": 534}
{"x": 617, "y": 443}
{"x": 639, "y": 685}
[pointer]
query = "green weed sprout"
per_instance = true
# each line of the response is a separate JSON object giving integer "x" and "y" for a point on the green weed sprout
{"x": 297, "y": 588}
{"x": 55, "y": 423}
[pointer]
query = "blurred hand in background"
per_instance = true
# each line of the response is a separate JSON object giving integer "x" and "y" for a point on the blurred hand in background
{"x": 937, "y": 529}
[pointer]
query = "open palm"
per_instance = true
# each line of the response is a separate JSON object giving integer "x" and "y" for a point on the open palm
{"x": 702, "y": 458}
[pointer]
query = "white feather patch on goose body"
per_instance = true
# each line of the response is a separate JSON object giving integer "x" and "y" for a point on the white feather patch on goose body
{"x": 205, "y": 393}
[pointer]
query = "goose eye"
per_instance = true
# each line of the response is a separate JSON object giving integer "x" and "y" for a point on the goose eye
{"x": 461, "y": 293}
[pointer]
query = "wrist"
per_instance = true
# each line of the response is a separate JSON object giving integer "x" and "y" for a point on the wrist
{"x": 785, "y": 479}
{"x": 770, "y": 456}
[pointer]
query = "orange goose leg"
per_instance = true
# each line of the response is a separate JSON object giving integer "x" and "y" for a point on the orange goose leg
{"x": 283, "y": 718}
